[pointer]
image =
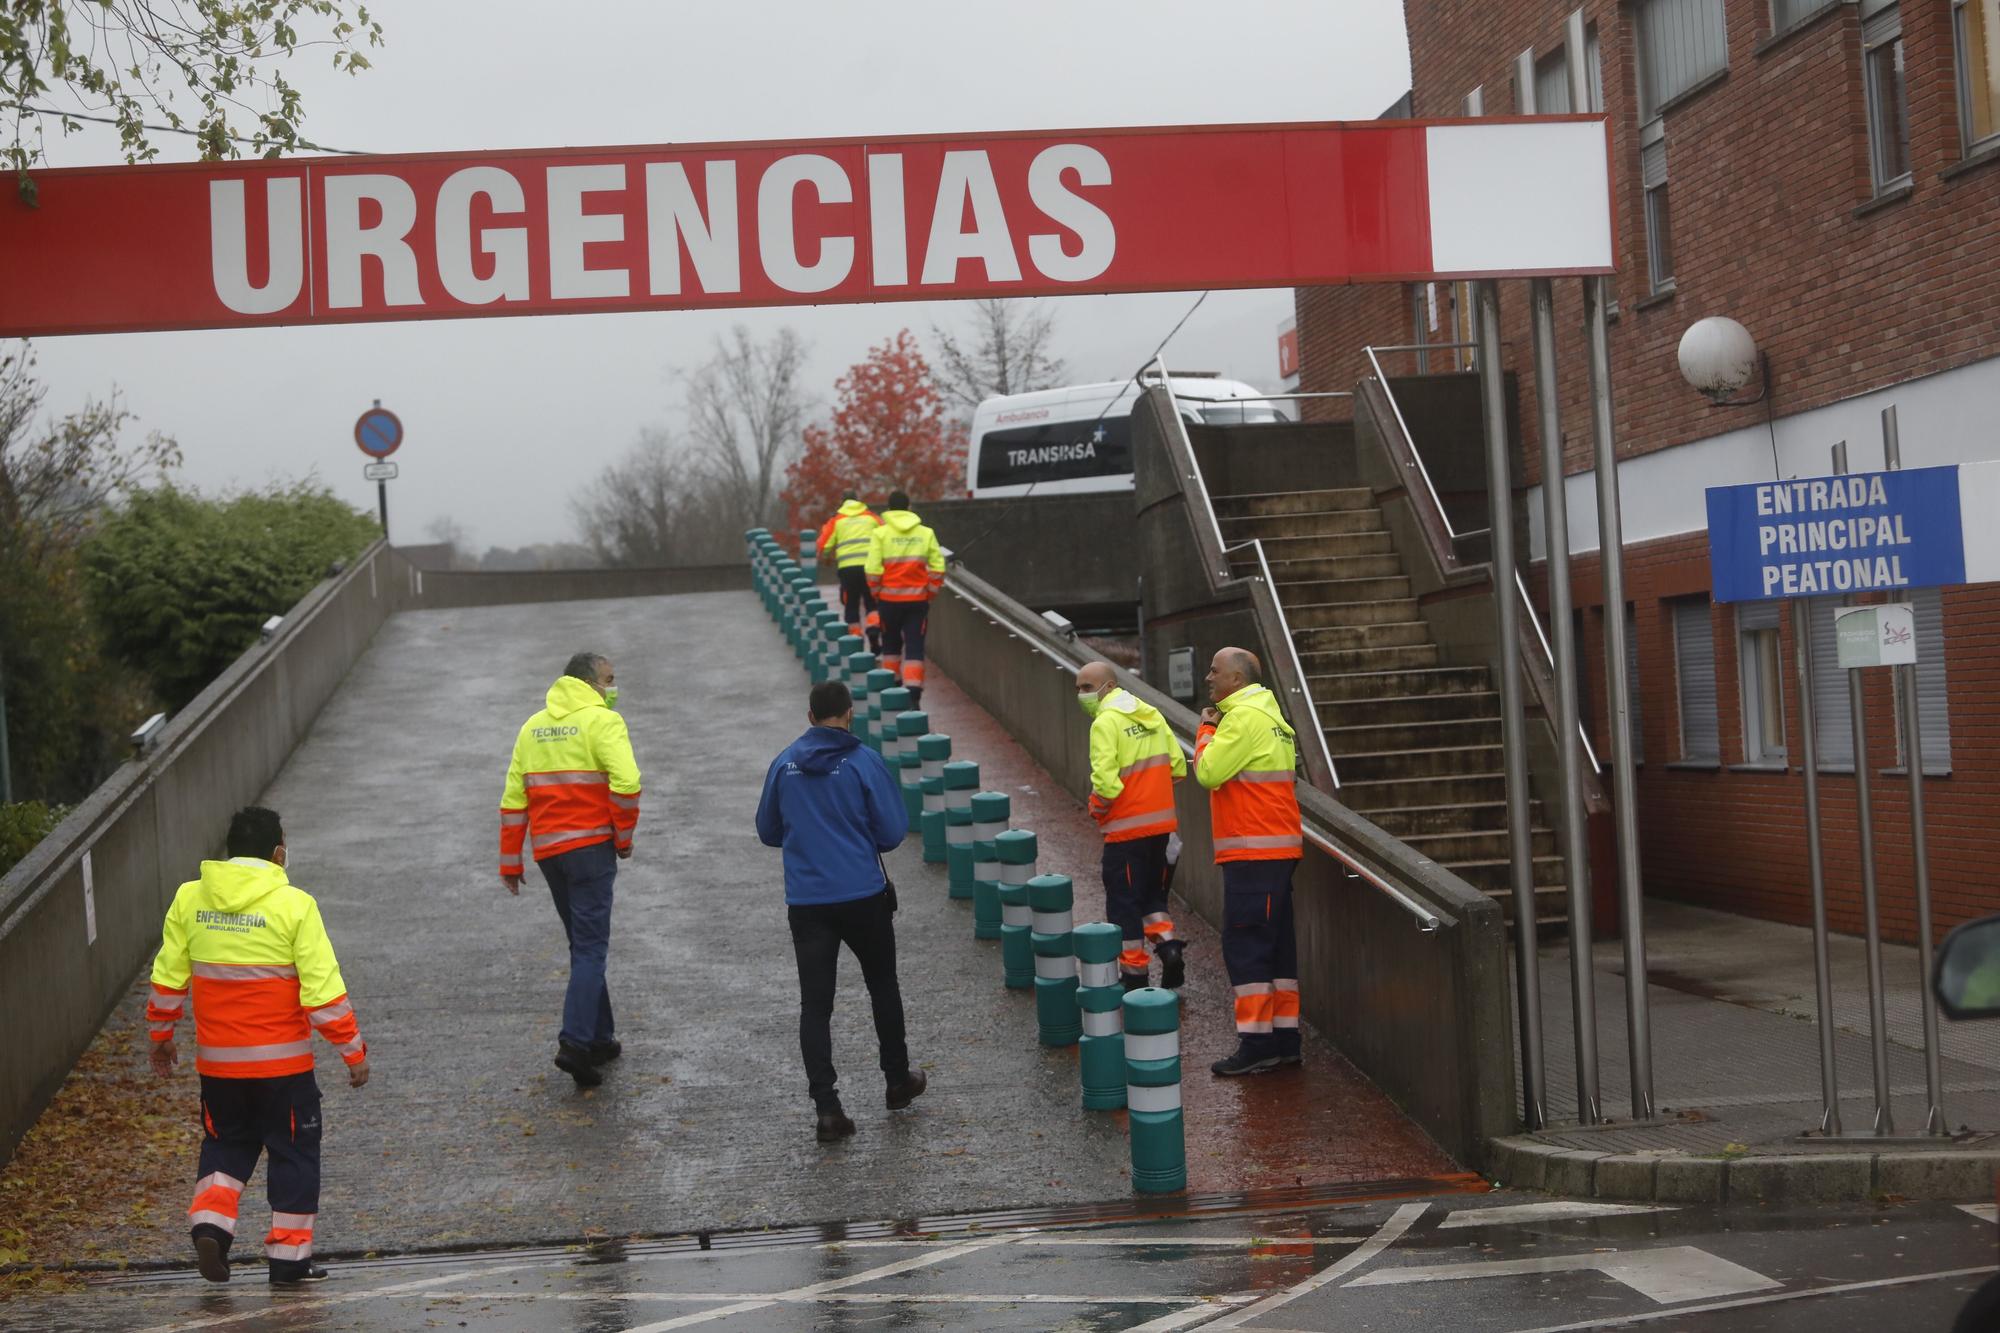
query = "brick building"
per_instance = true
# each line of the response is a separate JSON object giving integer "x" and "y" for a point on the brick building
{"x": 1827, "y": 172}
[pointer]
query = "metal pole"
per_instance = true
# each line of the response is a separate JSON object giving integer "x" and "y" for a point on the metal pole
{"x": 1864, "y": 801}
{"x": 1913, "y": 761}
{"x": 1513, "y": 741}
{"x": 1624, "y": 783}
{"x": 1829, "y": 1080}
{"x": 6, "y": 763}
{"x": 382, "y": 497}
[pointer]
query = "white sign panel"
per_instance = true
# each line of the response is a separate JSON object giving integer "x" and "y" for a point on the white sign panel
{"x": 378, "y": 471}
{"x": 1180, "y": 673}
{"x": 1876, "y": 635}
{"x": 89, "y": 904}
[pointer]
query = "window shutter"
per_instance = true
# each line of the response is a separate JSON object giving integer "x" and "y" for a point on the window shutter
{"x": 1757, "y": 615}
{"x": 1653, "y": 165}
{"x": 1632, "y": 684}
{"x": 1933, "y": 713}
{"x": 1694, "y": 653}
{"x": 1833, "y": 723}
{"x": 1593, "y": 59}
{"x": 1552, "y": 84}
{"x": 1789, "y": 13}
{"x": 1681, "y": 42}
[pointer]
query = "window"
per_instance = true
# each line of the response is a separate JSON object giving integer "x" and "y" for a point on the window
{"x": 1694, "y": 680}
{"x": 1977, "y": 23}
{"x": 1761, "y": 665}
{"x": 1882, "y": 84}
{"x": 1786, "y": 14}
{"x": 1833, "y": 725}
{"x": 1659, "y": 219}
{"x": 1552, "y": 84}
{"x": 1593, "y": 68}
{"x": 1933, "y": 719}
{"x": 1681, "y": 43}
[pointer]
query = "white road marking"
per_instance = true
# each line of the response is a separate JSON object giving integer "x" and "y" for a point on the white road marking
{"x": 910, "y": 1264}
{"x": 1682, "y": 1311}
{"x": 1388, "y": 1234}
{"x": 1546, "y": 1212}
{"x": 1038, "y": 1242}
{"x": 283, "y": 1308}
{"x": 1985, "y": 1212}
{"x": 1673, "y": 1273}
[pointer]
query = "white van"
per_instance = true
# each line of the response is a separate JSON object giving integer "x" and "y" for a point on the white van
{"x": 1078, "y": 439}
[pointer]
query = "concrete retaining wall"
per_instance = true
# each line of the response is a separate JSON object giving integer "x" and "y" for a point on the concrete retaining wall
{"x": 427, "y": 588}
{"x": 1427, "y": 1016}
{"x": 1068, "y": 553}
{"x": 121, "y": 854}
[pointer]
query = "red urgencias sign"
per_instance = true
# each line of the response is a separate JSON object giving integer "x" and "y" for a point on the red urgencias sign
{"x": 326, "y": 240}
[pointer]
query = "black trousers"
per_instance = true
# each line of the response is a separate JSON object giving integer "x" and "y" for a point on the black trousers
{"x": 241, "y": 1119}
{"x": 857, "y": 604}
{"x": 867, "y": 927}
{"x": 1135, "y": 897}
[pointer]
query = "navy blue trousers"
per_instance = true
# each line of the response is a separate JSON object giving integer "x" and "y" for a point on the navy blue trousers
{"x": 580, "y": 882}
{"x": 1260, "y": 948}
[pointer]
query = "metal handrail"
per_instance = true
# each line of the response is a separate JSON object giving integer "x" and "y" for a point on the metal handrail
{"x": 1520, "y": 587}
{"x": 1284, "y": 626}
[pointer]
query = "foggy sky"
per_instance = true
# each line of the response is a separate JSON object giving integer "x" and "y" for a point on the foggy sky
{"x": 507, "y": 417}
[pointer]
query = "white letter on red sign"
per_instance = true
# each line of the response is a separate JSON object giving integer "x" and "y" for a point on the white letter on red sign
{"x": 777, "y": 239}
{"x": 507, "y": 245}
{"x": 347, "y": 240}
{"x": 968, "y": 175}
{"x": 672, "y": 213}
{"x": 229, "y": 249}
{"x": 886, "y": 230}
{"x": 570, "y": 229}
{"x": 1067, "y": 209}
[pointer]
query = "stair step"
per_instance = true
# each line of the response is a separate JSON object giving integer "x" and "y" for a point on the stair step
{"x": 1497, "y": 874}
{"x": 1292, "y": 502}
{"x": 1395, "y": 657}
{"x": 1328, "y": 568}
{"x": 1438, "y": 762}
{"x": 1474, "y": 845}
{"x": 1397, "y": 684}
{"x": 1341, "y": 615}
{"x": 1282, "y": 551}
{"x": 1551, "y": 907}
{"x": 1464, "y": 817}
{"x": 1426, "y": 735}
{"x": 1308, "y": 523}
{"x": 1365, "y": 795}
{"x": 1408, "y": 708}
{"x": 1340, "y": 638}
{"x": 1342, "y": 591}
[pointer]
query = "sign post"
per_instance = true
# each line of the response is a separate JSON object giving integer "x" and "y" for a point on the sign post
{"x": 379, "y": 433}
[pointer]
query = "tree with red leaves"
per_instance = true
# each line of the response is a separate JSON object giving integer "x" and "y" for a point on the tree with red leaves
{"x": 889, "y": 432}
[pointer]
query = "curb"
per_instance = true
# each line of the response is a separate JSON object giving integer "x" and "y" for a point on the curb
{"x": 1942, "y": 1175}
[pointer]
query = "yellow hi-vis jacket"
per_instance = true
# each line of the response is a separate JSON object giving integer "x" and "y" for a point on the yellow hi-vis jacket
{"x": 1134, "y": 763}
{"x": 905, "y": 562}
{"x": 572, "y": 781}
{"x": 848, "y": 532}
{"x": 251, "y": 948}
{"x": 1249, "y": 765}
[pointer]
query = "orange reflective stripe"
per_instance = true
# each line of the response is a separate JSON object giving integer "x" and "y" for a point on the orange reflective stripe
{"x": 1285, "y": 1004}
{"x": 568, "y": 778}
{"x": 1255, "y": 1007}
{"x": 913, "y": 673}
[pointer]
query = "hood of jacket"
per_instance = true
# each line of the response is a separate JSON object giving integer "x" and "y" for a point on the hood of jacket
{"x": 821, "y": 749}
{"x": 240, "y": 883}
{"x": 1259, "y": 700}
{"x": 852, "y": 508}
{"x": 570, "y": 695}
{"x": 1127, "y": 704}
{"x": 901, "y": 520}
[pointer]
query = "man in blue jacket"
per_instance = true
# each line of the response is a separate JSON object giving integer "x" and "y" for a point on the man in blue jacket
{"x": 830, "y": 803}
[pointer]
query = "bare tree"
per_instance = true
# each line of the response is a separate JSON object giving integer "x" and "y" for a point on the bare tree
{"x": 448, "y": 531}
{"x": 746, "y": 412}
{"x": 1008, "y": 350}
{"x": 660, "y": 505}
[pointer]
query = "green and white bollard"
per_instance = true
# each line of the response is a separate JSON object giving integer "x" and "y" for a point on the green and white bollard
{"x": 990, "y": 812}
{"x": 911, "y": 726}
{"x": 1017, "y": 950}
{"x": 827, "y": 648}
{"x": 808, "y": 547}
{"x": 1050, "y": 898}
{"x": 1101, "y": 1055}
{"x": 961, "y": 780}
{"x": 895, "y": 701}
{"x": 1153, "y": 1090}
{"x": 798, "y": 621}
{"x": 843, "y": 657}
{"x": 933, "y": 752}
{"x": 859, "y": 667}
{"x": 880, "y": 681}
{"x": 1015, "y": 851}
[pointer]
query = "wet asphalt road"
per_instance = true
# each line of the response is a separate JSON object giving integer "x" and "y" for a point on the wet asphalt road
{"x": 1478, "y": 1263}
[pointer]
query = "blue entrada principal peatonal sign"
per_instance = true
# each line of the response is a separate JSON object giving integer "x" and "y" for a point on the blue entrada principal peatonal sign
{"x": 1818, "y": 536}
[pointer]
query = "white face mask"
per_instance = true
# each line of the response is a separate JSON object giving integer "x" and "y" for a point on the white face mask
{"x": 611, "y": 697}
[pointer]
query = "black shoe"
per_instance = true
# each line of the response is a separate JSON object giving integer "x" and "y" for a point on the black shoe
{"x": 211, "y": 1258}
{"x": 1173, "y": 971}
{"x": 309, "y": 1275}
{"x": 1244, "y": 1062}
{"x": 576, "y": 1062}
{"x": 833, "y": 1125}
{"x": 1133, "y": 980}
{"x": 604, "y": 1052}
{"x": 907, "y": 1089}
{"x": 916, "y": 696}
{"x": 1291, "y": 1058}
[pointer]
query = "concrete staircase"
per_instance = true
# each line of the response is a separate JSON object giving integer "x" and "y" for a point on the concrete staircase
{"x": 1416, "y": 742}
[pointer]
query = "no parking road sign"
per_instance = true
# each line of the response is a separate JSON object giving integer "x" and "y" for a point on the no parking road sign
{"x": 379, "y": 432}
